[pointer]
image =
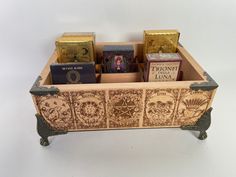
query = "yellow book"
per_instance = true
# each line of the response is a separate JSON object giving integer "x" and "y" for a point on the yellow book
{"x": 165, "y": 41}
{"x": 76, "y": 47}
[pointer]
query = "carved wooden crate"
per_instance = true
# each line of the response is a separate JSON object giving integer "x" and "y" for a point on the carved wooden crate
{"x": 128, "y": 104}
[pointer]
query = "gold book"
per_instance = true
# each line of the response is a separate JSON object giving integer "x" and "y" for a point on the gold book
{"x": 165, "y": 41}
{"x": 86, "y": 36}
{"x": 76, "y": 47}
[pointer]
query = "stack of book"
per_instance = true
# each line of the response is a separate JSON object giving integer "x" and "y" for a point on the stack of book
{"x": 76, "y": 59}
{"x": 162, "y": 61}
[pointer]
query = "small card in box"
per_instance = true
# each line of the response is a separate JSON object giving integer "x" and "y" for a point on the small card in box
{"x": 117, "y": 58}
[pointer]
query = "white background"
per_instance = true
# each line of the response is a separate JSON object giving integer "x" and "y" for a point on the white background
{"x": 27, "y": 33}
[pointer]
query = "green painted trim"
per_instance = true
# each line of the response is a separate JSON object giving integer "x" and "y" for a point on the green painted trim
{"x": 201, "y": 125}
{"x": 41, "y": 91}
{"x": 205, "y": 86}
{"x": 45, "y": 130}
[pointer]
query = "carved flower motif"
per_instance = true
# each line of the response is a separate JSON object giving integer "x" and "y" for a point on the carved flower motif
{"x": 89, "y": 108}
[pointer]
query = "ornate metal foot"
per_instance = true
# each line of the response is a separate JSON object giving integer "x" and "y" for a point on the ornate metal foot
{"x": 202, "y": 135}
{"x": 44, "y": 141}
{"x": 201, "y": 125}
{"x": 45, "y": 130}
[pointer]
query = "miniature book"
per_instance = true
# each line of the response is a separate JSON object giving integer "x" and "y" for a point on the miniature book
{"x": 73, "y": 73}
{"x": 162, "y": 67}
{"x": 165, "y": 41}
{"x": 76, "y": 47}
{"x": 117, "y": 58}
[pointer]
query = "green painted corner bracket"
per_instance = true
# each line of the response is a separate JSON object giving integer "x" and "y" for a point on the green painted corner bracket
{"x": 201, "y": 125}
{"x": 38, "y": 90}
{"x": 205, "y": 86}
{"x": 45, "y": 130}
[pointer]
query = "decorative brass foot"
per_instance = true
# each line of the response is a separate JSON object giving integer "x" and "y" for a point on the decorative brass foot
{"x": 45, "y": 130}
{"x": 201, "y": 125}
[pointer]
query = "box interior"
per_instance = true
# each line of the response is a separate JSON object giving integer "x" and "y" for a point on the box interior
{"x": 188, "y": 70}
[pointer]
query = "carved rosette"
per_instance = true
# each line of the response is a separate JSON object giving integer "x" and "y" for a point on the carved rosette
{"x": 56, "y": 110}
{"x": 160, "y": 107}
{"x": 89, "y": 109}
{"x": 125, "y": 108}
{"x": 192, "y": 105}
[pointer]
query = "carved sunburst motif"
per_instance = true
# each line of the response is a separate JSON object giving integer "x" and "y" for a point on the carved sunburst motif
{"x": 192, "y": 105}
{"x": 89, "y": 109}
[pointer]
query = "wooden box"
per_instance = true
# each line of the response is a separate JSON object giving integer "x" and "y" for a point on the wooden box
{"x": 124, "y": 102}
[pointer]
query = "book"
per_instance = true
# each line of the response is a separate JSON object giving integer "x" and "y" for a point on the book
{"x": 165, "y": 41}
{"x": 162, "y": 67}
{"x": 117, "y": 58}
{"x": 73, "y": 73}
{"x": 76, "y": 47}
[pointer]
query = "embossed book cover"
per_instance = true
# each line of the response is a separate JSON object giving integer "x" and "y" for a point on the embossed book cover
{"x": 165, "y": 41}
{"x": 163, "y": 67}
{"x": 76, "y": 47}
{"x": 73, "y": 73}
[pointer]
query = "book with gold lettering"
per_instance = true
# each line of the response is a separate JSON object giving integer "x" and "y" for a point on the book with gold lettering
{"x": 162, "y": 67}
{"x": 73, "y": 73}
